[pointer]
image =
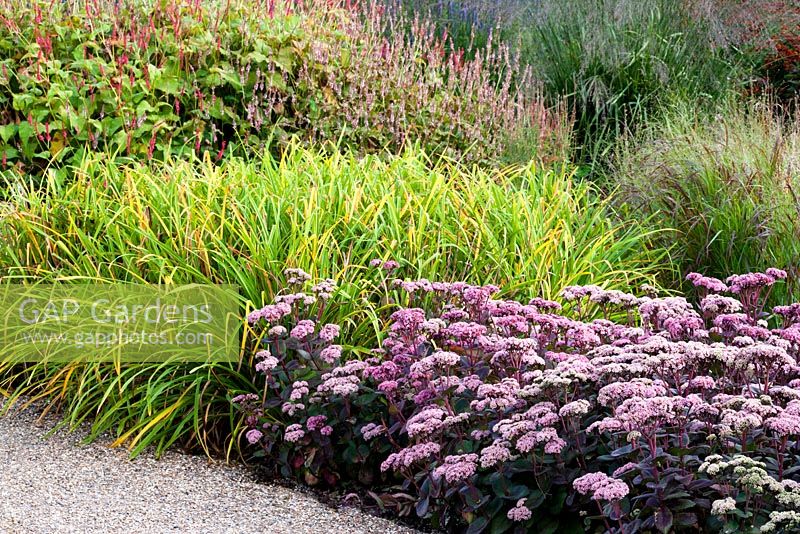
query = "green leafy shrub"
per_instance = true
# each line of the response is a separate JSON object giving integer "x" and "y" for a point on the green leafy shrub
{"x": 727, "y": 183}
{"x": 242, "y": 223}
{"x": 146, "y": 79}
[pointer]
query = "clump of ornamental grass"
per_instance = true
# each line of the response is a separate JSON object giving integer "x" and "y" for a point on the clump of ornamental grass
{"x": 603, "y": 411}
{"x": 148, "y": 79}
{"x": 726, "y": 183}
{"x": 617, "y": 62}
{"x": 242, "y": 222}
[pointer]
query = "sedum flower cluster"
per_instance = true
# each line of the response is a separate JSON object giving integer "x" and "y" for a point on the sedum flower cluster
{"x": 607, "y": 411}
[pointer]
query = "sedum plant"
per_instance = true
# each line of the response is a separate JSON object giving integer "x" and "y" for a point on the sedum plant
{"x": 607, "y": 412}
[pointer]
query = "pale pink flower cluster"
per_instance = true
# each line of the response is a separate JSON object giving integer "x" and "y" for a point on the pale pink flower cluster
{"x": 253, "y": 436}
{"x": 616, "y": 392}
{"x": 294, "y": 433}
{"x": 790, "y": 313}
{"x": 277, "y": 331}
{"x": 371, "y": 431}
{"x": 457, "y": 468}
{"x": 645, "y": 415}
{"x": 601, "y": 487}
{"x": 707, "y": 283}
{"x": 496, "y": 453}
{"x": 266, "y": 362}
{"x": 426, "y": 422}
{"x": 388, "y": 265}
{"x": 576, "y": 408}
{"x": 329, "y": 332}
{"x": 295, "y": 276}
{"x": 741, "y": 282}
{"x": 498, "y": 396}
{"x": 520, "y": 512}
{"x": 787, "y": 422}
{"x": 439, "y": 359}
{"x": 410, "y": 455}
{"x": 324, "y": 290}
{"x": 628, "y": 467}
{"x": 713, "y": 305}
{"x": 303, "y": 329}
{"x": 270, "y": 313}
{"x": 659, "y": 314}
{"x": 331, "y": 354}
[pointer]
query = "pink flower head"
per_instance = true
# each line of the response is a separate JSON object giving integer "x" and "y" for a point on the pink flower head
{"x": 713, "y": 305}
{"x": 706, "y": 282}
{"x": 277, "y": 331}
{"x": 784, "y": 425}
{"x": 742, "y": 282}
{"x": 409, "y": 319}
{"x": 254, "y": 436}
{"x": 331, "y": 354}
{"x": 270, "y": 313}
{"x": 428, "y": 421}
{"x": 303, "y": 329}
{"x": 619, "y": 471}
{"x": 778, "y": 274}
{"x": 324, "y": 289}
{"x": 544, "y": 305}
{"x": 601, "y": 487}
{"x": 294, "y": 433}
{"x": 495, "y": 453}
{"x": 457, "y": 468}
{"x": 576, "y": 408}
{"x": 410, "y": 455}
{"x": 388, "y": 387}
{"x": 296, "y": 276}
{"x": 519, "y": 512}
{"x": 267, "y": 362}
{"x": 315, "y": 422}
{"x": 371, "y": 431}
{"x": 244, "y": 398}
{"x": 329, "y": 332}
{"x": 790, "y": 313}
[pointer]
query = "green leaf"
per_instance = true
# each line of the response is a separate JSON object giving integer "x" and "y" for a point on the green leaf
{"x": 535, "y": 499}
{"x": 7, "y": 131}
{"x": 500, "y": 524}
{"x": 10, "y": 152}
{"x": 23, "y": 101}
{"x": 478, "y": 526}
{"x": 26, "y": 131}
{"x": 167, "y": 84}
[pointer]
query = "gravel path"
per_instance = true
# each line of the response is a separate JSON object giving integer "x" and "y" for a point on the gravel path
{"x": 56, "y": 485}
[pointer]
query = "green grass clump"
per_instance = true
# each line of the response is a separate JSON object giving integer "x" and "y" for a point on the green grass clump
{"x": 530, "y": 231}
{"x": 726, "y": 182}
{"x": 617, "y": 61}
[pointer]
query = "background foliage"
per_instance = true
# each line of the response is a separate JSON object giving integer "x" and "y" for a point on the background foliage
{"x": 147, "y": 79}
{"x": 726, "y": 182}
